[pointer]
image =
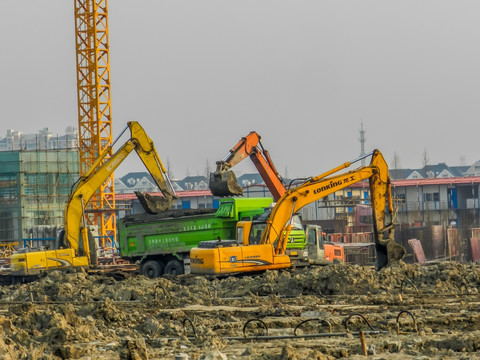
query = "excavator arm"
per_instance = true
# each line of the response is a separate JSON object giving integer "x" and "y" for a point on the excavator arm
{"x": 99, "y": 173}
{"x": 220, "y": 257}
{"x": 223, "y": 181}
{"x": 278, "y": 226}
{"x": 74, "y": 245}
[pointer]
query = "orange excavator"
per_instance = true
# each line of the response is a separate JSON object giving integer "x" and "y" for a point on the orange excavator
{"x": 245, "y": 255}
{"x": 223, "y": 181}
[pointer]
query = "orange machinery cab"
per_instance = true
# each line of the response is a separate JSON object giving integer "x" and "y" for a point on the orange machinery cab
{"x": 216, "y": 257}
{"x": 334, "y": 253}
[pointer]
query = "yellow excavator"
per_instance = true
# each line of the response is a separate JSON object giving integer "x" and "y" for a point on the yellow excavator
{"x": 223, "y": 181}
{"x": 75, "y": 245}
{"x": 245, "y": 254}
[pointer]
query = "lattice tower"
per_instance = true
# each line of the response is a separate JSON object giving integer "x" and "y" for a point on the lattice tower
{"x": 94, "y": 104}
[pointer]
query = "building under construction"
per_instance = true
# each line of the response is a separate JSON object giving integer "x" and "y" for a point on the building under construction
{"x": 34, "y": 188}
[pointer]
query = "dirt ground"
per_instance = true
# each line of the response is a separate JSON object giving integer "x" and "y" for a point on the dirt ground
{"x": 404, "y": 312}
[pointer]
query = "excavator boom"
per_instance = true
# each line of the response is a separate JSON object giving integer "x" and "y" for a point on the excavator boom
{"x": 270, "y": 252}
{"x": 316, "y": 188}
{"x": 223, "y": 181}
{"x": 98, "y": 173}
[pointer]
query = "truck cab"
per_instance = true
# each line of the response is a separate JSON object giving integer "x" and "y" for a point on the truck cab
{"x": 315, "y": 243}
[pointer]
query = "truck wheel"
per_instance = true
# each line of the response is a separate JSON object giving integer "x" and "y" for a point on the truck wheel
{"x": 152, "y": 269}
{"x": 174, "y": 267}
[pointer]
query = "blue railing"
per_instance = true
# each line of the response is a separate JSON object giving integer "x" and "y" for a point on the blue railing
{"x": 35, "y": 239}
{"x": 110, "y": 237}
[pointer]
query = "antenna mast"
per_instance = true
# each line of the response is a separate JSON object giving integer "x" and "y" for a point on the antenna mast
{"x": 362, "y": 140}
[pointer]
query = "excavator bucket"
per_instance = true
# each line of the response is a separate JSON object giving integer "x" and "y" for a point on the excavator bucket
{"x": 388, "y": 251}
{"x": 224, "y": 183}
{"x": 153, "y": 204}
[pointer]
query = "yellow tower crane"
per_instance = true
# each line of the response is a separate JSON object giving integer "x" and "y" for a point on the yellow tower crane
{"x": 94, "y": 104}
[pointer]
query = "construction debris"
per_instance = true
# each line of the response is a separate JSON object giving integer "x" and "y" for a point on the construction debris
{"x": 403, "y": 312}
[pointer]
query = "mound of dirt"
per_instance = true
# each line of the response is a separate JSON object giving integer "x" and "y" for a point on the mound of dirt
{"x": 405, "y": 310}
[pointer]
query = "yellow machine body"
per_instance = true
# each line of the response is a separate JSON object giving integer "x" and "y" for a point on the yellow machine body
{"x": 246, "y": 255}
{"x": 32, "y": 263}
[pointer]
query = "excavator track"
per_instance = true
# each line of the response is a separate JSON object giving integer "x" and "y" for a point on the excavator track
{"x": 10, "y": 279}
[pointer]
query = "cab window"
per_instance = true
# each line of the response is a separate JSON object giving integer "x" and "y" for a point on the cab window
{"x": 256, "y": 233}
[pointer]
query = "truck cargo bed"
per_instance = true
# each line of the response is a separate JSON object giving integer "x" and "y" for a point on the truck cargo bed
{"x": 173, "y": 214}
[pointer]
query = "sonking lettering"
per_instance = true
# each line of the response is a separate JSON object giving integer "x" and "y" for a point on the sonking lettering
{"x": 333, "y": 184}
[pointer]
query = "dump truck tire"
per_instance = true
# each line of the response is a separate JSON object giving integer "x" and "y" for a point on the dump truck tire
{"x": 174, "y": 267}
{"x": 152, "y": 269}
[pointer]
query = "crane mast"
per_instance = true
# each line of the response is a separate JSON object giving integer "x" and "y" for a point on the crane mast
{"x": 94, "y": 104}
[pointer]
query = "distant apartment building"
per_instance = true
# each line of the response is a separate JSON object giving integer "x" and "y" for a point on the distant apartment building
{"x": 37, "y": 172}
{"x": 43, "y": 140}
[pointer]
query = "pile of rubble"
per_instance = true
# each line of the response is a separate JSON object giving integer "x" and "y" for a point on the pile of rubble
{"x": 80, "y": 315}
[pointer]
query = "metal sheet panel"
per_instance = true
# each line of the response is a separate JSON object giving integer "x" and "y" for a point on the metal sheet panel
{"x": 475, "y": 244}
{"x": 438, "y": 243}
{"x": 417, "y": 248}
{"x": 453, "y": 244}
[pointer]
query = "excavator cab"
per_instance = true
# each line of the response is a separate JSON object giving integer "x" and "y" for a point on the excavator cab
{"x": 223, "y": 182}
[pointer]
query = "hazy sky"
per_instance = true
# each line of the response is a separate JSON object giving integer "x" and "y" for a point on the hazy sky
{"x": 199, "y": 75}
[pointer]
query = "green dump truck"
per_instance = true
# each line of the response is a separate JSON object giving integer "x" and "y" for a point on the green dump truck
{"x": 161, "y": 243}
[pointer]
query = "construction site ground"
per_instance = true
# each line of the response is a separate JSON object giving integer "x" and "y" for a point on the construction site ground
{"x": 406, "y": 311}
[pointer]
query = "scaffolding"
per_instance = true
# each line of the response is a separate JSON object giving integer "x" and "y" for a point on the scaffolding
{"x": 34, "y": 188}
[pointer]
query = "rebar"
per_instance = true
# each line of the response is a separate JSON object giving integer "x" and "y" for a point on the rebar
{"x": 255, "y": 320}
{"x": 411, "y": 315}
{"x": 309, "y": 320}
{"x": 184, "y": 323}
{"x": 359, "y": 315}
